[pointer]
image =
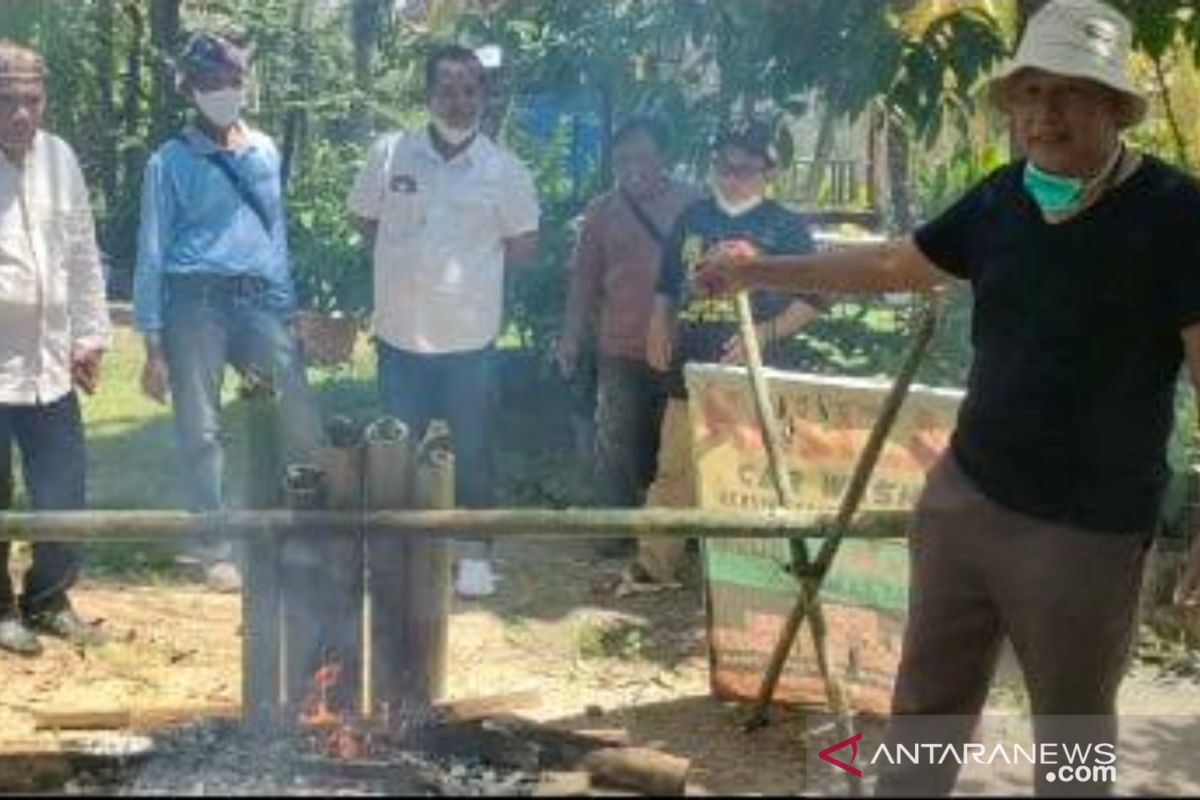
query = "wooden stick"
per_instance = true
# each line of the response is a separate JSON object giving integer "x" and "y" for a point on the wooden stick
{"x": 564, "y": 784}
{"x": 75, "y": 526}
{"x": 477, "y": 708}
{"x": 783, "y": 486}
{"x": 761, "y": 393}
{"x": 130, "y": 719}
{"x": 512, "y": 740}
{"x": 641, "y": 769}
{"x": 470, "y": 709}
{"x": 849, "y": 505}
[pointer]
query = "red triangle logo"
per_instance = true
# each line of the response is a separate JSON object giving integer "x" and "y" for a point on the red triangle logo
{"x": 852, "y": 742}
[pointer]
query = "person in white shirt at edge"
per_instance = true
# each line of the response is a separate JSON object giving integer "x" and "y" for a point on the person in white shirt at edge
{"x": 54, "y": 330}
{"x": 446, "y": 211}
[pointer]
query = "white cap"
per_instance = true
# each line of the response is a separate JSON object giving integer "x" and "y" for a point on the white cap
{"x": 1077, "y": 39}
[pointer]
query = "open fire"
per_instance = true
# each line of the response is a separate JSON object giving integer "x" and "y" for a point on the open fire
{"x": 474, "y": 747}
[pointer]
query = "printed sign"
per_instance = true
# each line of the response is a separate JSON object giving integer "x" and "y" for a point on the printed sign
{"x": 750, "y": 589}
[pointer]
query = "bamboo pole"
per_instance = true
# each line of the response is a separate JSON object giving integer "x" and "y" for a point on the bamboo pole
{"x": 574, "y": 523}
{"x": 843, "y": 523}
{"x": 262, "y": 588}
{"x": 426, "y": 608}
{"x": 130, "y": 718}
{"x": 388, "y": 482}
{"x": 769, "y": 425}
{"x": 300, "y": 567}
{"x": 323, "y": 588}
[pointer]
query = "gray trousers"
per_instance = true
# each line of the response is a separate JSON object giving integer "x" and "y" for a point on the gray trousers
{"x": 1066, "y": 598}
{"x": 629, "y": 410}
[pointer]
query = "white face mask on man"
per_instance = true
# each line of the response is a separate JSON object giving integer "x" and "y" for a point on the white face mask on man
{"x": 731, "y": 207}
{"x": 453, "y": 136}
{"x": 223, "y": 107}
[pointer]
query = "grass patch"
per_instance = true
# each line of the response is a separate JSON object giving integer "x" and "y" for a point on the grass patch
{"x": 619, "y": 639}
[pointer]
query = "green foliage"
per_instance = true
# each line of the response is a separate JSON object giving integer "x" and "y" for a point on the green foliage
{"x": 329, "y": 259}
{"x": 940, "y": 183}
{"x": 620, "y": 639}
{"x": 1160, "y": 24}
{"x": 940, "y": 69}
{"x": 538, "y": 293}
{"x": 328, "y": 76}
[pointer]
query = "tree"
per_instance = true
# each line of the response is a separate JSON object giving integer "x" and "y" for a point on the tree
{"x": 165, "y": 107}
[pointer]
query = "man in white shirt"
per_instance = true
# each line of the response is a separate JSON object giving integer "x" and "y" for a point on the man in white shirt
{"x": 54, "y": 329}
{"x": 446, "y": 210}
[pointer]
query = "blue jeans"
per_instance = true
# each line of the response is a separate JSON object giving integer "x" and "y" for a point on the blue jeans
{"x": 455, "y": 387}
{"x": 211, "y": 322}
{"x": 50, "y": 438}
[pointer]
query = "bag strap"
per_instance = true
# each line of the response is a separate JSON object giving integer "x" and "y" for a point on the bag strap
{"x": 655, "y": 232}
{"x": 238, "y": 183}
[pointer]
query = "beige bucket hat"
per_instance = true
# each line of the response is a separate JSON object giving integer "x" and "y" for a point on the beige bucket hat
{"x": 1078, "y": 39}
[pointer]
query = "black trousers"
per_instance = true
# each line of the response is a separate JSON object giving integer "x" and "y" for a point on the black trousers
{"x": 54, "y": 462}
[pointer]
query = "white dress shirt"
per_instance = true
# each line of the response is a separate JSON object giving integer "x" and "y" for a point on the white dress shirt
{"x": 52, "y": 299}
{"x": 439, "y": 251}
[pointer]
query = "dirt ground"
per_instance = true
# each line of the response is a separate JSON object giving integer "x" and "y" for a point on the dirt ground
{"x": 637, "y": 663}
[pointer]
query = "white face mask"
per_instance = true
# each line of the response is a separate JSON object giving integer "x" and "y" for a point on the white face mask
{"x": 222, "y": 108}
{"x": 453, "y": 136}
{"x": 735, "y": 209}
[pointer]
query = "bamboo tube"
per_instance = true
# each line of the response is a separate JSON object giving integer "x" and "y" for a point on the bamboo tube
{"x": 427, "y": 577}
{"x": 389, "y": 464}
{"x": 324, "y": 603}
{"x": 302, "y": 570}
{"x": 388, "y": 481}
{"x": 262, "y": 595}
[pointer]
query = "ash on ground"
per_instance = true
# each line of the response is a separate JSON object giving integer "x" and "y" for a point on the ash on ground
{"x": 225, "y": 758}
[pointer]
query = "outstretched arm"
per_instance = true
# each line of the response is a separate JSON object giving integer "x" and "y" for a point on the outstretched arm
{"x": 896, "y": 266}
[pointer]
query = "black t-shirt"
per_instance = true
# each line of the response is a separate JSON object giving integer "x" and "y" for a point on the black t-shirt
{"x": 1077, "y": 348}
{"x": 706, "y": 324}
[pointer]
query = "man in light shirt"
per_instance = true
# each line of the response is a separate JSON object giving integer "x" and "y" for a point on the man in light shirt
{"x": 213, "y": 285}
{"x": 446, "y": 210}
{"x": 54, "y": 329}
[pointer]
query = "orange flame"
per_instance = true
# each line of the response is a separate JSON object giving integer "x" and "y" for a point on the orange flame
{"x": 344, "y": 741}
{"x": 317, "y": 711}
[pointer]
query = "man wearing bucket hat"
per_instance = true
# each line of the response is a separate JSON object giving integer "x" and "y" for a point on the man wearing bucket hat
{"x": 1084, "y": 262}
{"x": 213, "y": 285}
